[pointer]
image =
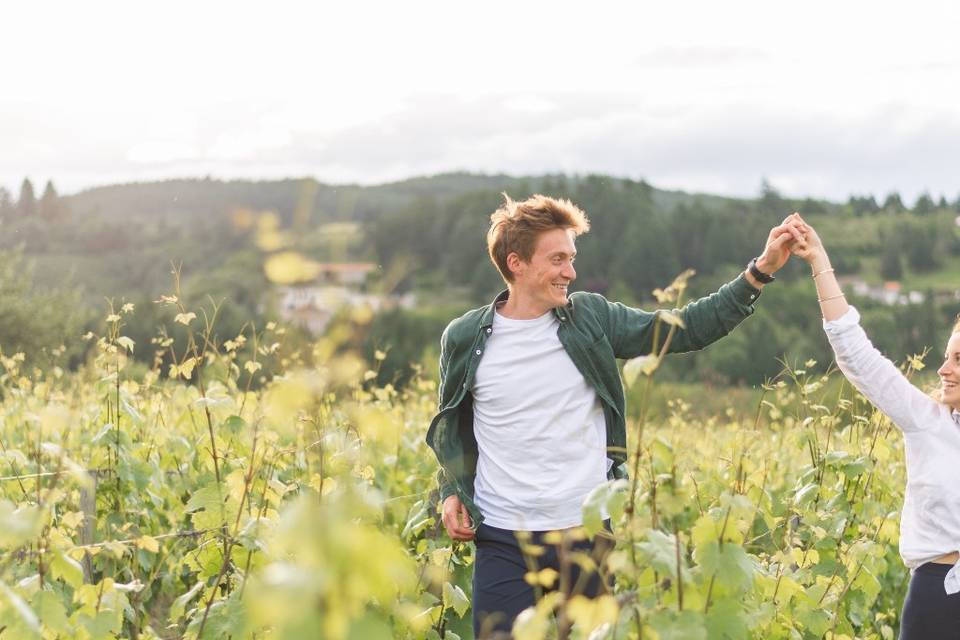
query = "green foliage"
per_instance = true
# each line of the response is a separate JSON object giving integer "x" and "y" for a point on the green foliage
{"x": 891, "y": 264}
{"x": 36, "y": 323}
{"x": 184, "y": 502}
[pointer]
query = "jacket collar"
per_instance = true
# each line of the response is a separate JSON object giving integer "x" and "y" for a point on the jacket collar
{"x": 486, "y": 320}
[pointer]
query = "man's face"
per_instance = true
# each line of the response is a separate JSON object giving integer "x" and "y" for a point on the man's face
{"x": 545, "y": 278}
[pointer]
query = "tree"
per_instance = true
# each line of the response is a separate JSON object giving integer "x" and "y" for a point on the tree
{"x": 919, "y": 242}
{"x": 893, "y": 203}
{"x": 891, "y": 266}
{"x": 35, "y": 319}
{"x": 50, "y": 208}
{"x": 771, "y": 204}
{"x": 809, "y": 205}
{"x": 6, "y": 204}
{"x": 27, "y": 204}
{"x": 863, "y": 205}
{"x": 943, "y": 205}
{"x": 924, "y": 204}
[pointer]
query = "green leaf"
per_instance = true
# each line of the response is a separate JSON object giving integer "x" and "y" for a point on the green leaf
{"x": 455, "y": 598}
{"x": 705, "y": 530}
{"x": 682, "y": 625}
{"x": 815, "y": 620}
{"x": 729, "y": 564}
{"x": 235, "y": 424}
{"x": 617, "y": 499}
{"x": 65, "y": 568}
{"x": 180, "y": 604}
{"x": 659, "y": 551}
{"x": 226, "y": 619}
{"x": 25, "y": 613}
{"x": 51, "y": 612}
{"x": 806, "y": 494}
{"x": 126, "y": 343}
{"x": 102, "y": 625}
{"x": 642, "y": 364}
{"x": 726, "y": 621}
{"x": 592, "y": 518}
{"x": 208, "y": 507}
{"x": 209, "y": 498}
{"x": 19, "y": 525}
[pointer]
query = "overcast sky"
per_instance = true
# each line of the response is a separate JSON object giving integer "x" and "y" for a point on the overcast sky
{"x": 822, "y": 98}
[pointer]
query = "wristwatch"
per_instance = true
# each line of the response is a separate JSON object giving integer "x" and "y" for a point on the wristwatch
{"x": 764, "y": 278}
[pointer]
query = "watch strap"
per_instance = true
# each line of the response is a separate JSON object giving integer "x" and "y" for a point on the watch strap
{"x": 761, "y": 277}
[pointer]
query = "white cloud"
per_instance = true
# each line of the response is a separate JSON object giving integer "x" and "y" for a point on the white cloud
{"x": 827, "y": 100}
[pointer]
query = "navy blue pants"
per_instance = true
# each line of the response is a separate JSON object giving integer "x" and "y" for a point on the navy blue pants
{"x": 928, "y": 612}
{"x": 500, "y": 592}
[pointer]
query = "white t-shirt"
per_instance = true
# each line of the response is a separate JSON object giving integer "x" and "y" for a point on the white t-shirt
{"x": 539, "y": 426}
{"x": 930, "y": 522}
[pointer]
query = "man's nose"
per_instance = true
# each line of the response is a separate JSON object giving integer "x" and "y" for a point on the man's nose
{"x": 569, "y": 272}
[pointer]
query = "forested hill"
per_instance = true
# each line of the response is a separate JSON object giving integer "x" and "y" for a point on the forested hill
{"x": 427, "y": 237}
{"x": 321, "y": 202}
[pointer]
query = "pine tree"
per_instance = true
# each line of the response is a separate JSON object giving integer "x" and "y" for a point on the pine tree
{"x": 27, "y": 204}
{"x": 893, "y": 203}
{"x": 50, "y": 202}
{"x": 863, "y": 205}
{"x": 924, "y": 204}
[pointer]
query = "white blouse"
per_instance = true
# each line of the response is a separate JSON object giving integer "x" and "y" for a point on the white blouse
{"x": 930, "y": 522}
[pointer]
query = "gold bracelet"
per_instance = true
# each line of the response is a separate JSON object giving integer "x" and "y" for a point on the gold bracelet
{"x": 820, "y": 273}
{"x": 839, "y": 295}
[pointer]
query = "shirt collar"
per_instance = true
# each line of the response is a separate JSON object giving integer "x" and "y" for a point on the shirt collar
{"x": 487, "y": 320}
{"x": 955, "y": 414}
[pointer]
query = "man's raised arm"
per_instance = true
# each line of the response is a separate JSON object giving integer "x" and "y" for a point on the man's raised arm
{"x": 631, "y": 331}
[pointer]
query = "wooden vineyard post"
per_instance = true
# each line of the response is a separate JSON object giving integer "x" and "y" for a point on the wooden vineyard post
{"x": 88, "y": 505}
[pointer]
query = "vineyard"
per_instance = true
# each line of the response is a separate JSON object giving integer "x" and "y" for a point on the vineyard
{"x": 243, "y": 489}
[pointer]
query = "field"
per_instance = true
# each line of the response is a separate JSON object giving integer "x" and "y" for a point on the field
{"x": 244, "y": 489}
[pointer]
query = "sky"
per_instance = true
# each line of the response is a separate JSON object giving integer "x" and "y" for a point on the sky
{"x": 821, "y": 99}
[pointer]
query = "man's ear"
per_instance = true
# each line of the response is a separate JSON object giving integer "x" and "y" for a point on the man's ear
{"x": 515, "y": 263}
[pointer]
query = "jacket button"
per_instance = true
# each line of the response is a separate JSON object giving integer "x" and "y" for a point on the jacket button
{"x": 489, "y": 330}
{"x": 478, "y": 351}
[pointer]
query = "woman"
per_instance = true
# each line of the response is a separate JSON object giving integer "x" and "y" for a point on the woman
{"x": 930, "y": 522}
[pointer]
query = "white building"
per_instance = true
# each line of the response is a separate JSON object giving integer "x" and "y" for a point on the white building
{"x": 338, "y": 285}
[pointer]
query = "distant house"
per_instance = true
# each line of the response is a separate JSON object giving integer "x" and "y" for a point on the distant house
{"x": 337, "y": 285}
{"x": 890, "y": 293}
{"x": 348, "y": 274}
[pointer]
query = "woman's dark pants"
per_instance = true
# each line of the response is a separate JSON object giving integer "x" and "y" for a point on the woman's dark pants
{"x": 928, "y": 612}
{"x": 500, "y": 591}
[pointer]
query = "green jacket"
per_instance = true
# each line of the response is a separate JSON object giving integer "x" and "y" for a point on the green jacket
{"x": 594, "y": 332}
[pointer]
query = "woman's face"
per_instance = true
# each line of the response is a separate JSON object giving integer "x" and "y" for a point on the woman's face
{"x": 949, "y": 373}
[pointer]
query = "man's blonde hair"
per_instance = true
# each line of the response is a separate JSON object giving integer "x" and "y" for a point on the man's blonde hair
{"x": 515, "y": 226}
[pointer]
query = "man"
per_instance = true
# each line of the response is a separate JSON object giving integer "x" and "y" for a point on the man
{"x": 531, "y": 412}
